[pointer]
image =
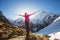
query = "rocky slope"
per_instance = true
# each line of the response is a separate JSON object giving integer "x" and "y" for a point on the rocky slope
{"x": 9, "y": 31}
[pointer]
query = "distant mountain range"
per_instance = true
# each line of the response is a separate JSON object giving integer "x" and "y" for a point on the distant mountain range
{"x": 38, "y": 17}
{"x": 40, "y": 21}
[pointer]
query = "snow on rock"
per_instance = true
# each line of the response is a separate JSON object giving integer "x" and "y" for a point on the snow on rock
{"x": 57, "y": 19}
{"x": 55, "y": 35}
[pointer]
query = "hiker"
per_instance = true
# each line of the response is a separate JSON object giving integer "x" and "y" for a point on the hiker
{"x": 26, "y": 16}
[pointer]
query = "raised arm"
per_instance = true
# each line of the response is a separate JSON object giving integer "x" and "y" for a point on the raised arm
{"x": 22, "y": 15}
{"x": 32, "y": 14}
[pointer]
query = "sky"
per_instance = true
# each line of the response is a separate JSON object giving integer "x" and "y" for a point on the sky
{"x": 12, "y": 7}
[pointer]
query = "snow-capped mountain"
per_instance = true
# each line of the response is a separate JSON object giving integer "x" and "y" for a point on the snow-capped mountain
{"x": 39, "y": 17}
{"x": 11, "y": 21}
{"x": 43, "y": 15}
{"x": 19, "y": 22}
{"x": 54, "y": 27}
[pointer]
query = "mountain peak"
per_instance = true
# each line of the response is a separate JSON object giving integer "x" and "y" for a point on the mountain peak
{"x": 0, "y": 12}
{"x": 3, "y": 18}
